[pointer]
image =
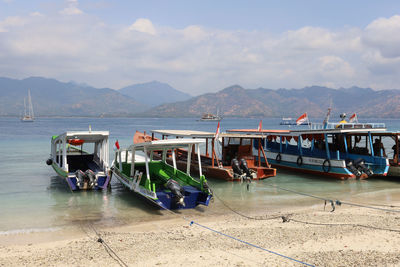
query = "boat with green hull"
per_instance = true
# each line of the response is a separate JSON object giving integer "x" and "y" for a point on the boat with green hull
{"x": 151, "y": 177}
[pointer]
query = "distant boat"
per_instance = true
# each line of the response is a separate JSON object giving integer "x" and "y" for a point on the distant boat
{"x": 28, "y": 109}
{"x": 210, "y": 117}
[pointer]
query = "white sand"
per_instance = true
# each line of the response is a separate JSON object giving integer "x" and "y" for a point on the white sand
{"x": 174, "y": 242}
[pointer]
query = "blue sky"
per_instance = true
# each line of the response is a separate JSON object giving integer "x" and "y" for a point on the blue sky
{"x": 202, "y": 46}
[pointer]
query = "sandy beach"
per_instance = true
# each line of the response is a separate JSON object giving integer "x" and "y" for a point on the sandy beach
{"x": 348, "y": 240}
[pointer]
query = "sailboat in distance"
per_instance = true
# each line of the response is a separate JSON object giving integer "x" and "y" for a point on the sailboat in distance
{"x": 28, "y": 109}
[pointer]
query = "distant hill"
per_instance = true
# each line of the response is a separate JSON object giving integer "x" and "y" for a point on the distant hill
{"x": 53, "y": 98}
{"x": 154, "y": 93}
{"x": 237, "y": 101}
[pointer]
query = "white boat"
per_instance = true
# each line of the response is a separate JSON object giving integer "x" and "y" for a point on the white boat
{"x": 28, "y": 109}
{"x": 82, "y": 169}
{"x": 210, "y": 117}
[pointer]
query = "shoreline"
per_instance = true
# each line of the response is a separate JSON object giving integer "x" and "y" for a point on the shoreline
{"x": 170, "y": 240}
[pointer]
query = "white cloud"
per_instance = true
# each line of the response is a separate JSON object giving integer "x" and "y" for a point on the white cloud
{"x": 143, "y": 25}
{"x": 384, "y": 35}
{"x": 72, "y": 8}
{"x": 197, "y": 59}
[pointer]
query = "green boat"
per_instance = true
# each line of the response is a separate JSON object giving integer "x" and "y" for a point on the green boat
{"x": 152, "y": 177}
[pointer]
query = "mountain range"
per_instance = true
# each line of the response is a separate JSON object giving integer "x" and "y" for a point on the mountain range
{"x": 154, "y": 93}
{"x": 237, "y": 101}
{"x": 54, "y": 98}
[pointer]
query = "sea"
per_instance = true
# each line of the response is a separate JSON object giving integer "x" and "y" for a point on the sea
{"x": 34, "y": 199}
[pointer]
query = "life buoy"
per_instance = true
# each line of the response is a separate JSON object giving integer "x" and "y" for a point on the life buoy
{"x": 300, "y": 161}
{"x": 326, "y": 166}
{"x": 76, "y": 142}
{"x": 278, "y": 158}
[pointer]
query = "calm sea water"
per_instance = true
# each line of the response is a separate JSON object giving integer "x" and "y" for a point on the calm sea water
{"x": 33, "y": 198}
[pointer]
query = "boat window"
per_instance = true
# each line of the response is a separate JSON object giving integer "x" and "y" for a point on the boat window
{"x": 233, "y": 141}
{"x": 360, "y": 145}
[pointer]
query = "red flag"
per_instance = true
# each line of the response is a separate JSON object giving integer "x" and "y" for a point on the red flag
{"x": 116, "y": 145}
{"x": 353, "y": 118}
{"x": 302, "y": 119}
{"x": 260, "y": 126}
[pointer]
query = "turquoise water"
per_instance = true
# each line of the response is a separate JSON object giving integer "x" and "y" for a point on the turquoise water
{"x": 33, "y": 198}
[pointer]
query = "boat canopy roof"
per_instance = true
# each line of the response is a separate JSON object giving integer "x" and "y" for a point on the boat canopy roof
{"x": 200, "y": 134}
{"x": 166, "y": 144}
{"x": 310, "y": 132}
{"x": 185, "y": 133}
{"x": 87, "y": 136}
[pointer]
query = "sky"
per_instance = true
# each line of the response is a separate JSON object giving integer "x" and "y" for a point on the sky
{"x": 203, "y": 46}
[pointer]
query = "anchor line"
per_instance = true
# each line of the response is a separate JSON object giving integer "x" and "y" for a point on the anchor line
{"x": 250, "y": 244}
{"x": 333, "y": 202}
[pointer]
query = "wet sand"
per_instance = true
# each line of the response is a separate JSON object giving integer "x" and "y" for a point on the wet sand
{"x": 174, "y": 241}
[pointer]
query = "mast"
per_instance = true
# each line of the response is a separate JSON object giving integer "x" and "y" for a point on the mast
{"x": 30, "y": 104}
{"x": 24, "y": 107}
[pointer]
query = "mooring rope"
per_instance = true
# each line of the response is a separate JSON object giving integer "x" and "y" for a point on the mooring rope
{"x": 333, "y": 202}
{"x": 109, "y": 250}
{"x": 241, "y": 214}
{"x": 250, "y": 244}
{"x": 287, "y": 219}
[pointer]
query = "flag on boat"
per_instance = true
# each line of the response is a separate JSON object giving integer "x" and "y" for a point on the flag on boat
{"x": 353, "y": 118}
{"x": 302, "y": 119}
{"x": 260, "y": 126}
{"x": 217, "y": 132}
{"x": 116, "y": 145}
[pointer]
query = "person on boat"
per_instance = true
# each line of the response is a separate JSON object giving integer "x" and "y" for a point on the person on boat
{"x": 395, "y": 156}
{"x": 343, "y": 120}
{"x": 378, "y": 146}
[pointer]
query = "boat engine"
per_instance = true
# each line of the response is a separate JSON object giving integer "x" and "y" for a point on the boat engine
{"x": 350, "y": 166}
{"x": 360, "y": 164}
{"x": 177, "y": 190}
{"x": 236, "y": 167}
{"x": 92, "y": 177}
{"x": 245, "y": 168}
{"x": 80, "y": 178}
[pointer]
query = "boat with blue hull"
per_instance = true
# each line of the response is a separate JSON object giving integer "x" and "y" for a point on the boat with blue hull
{"x": 154, "y": 179}
{"x": 82, "y": 169}
{"x": 337, "y": 150}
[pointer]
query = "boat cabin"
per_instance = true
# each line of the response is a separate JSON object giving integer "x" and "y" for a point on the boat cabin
{"x": 156, "y": 176}
{"x": 80, "y": 150}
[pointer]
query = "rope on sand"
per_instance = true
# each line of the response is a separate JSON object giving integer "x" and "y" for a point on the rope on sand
{"x": 109, "y": 250}
{"x": 243, "y": 215}
{"x": 333, "y": 202}
{"x": 287, "y": 219}
{"x": 247, "y": 243}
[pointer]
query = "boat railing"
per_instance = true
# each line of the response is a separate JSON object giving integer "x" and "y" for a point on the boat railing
{"x": 330, "y": 125}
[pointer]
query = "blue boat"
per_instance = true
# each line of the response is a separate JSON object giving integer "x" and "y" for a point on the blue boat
{"x": 152, "y": 177}
{"x": 339, "y": 150}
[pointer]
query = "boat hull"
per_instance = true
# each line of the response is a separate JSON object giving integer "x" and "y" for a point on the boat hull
{"x": 102, "y": 180}
{"x": 164, "y": 199}
{"x": 225, "y": 173}
{"x": 318, "y": 166}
